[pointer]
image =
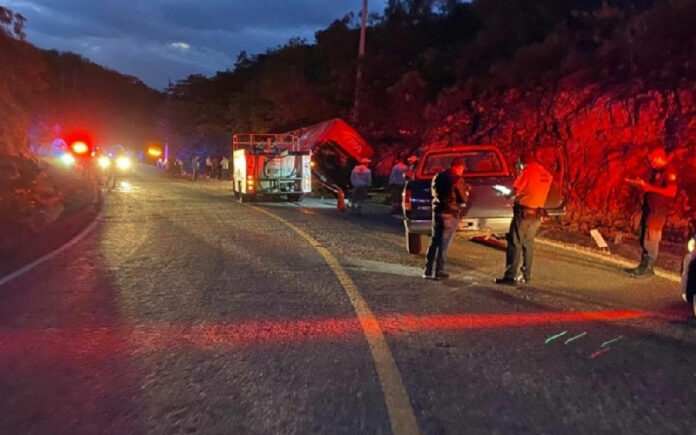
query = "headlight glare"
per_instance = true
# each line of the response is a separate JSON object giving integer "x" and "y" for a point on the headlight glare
{"x": 67, "y": 159}
{"x": 104, "y": 162}
{"x": 691, "y": 245}
{"x": 123, "y": 163}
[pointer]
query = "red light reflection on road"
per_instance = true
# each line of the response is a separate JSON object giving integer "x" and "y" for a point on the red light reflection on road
{"x": 103, "y": 342}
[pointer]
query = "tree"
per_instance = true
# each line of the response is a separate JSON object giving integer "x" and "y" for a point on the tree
{"x": 20, "y": 76}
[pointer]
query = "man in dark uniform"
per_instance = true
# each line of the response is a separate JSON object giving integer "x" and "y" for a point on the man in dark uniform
{"x": 449, "y": 192}
{"x": 530, "y": 191}
{"x": 658, "y": 194}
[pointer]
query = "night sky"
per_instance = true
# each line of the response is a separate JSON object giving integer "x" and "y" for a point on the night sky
{"x": 158, "y": 40}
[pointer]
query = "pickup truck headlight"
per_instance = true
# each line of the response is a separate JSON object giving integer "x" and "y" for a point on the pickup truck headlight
{"x": 123, "y": 163}
{"x": 68, "y": 159}
{"x": 691, "y": 245}
{"x": 104, "y": 162}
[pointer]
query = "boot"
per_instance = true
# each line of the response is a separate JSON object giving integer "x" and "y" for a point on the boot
{"x": 644, "y": 259}
{"x": 428, "y": 273}
{"x": 645, "y": 271}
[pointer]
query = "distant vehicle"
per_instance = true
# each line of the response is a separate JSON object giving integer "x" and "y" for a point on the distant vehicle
{"x": 113, "y": 162}
{"x": 489, "y": 211}
{"x": 270, "y": 166}
{"x": 688, "y": 280}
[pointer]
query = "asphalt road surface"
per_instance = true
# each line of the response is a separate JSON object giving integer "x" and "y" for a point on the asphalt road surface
{"x": 187, "y": 312}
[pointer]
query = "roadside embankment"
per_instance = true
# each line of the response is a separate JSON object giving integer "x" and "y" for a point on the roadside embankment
{"x": 42, "y": 206}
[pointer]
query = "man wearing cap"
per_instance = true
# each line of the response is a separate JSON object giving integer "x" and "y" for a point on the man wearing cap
{"x": 449, "y": 193}
{"x": 361, "y": 179}
{"x": 530, "y": 191}
{"x": 396, "y": 184}
{"x": 658, "y": 193}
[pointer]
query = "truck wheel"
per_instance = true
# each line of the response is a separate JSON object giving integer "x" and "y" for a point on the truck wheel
{"x": 295, "y": 197}
{"x": 414, "y": 243}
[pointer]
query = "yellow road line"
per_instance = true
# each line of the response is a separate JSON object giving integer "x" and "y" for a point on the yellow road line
{"x": 401, "y": 416}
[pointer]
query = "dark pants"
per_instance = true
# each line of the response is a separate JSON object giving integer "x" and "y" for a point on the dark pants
{"x": 520, "y": 249}
{"x": 650, "y": 236}
{"x": 444, "y": 229}
{"x": 359, "y": 195}
{"x": 396, "y": 190}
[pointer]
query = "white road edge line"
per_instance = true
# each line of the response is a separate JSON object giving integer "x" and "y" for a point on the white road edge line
{"x": 618, "y": 261}
{"x": 67, "y": 245}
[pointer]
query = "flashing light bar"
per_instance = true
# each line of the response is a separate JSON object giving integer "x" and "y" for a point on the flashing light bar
{"x": 79, "y": 147}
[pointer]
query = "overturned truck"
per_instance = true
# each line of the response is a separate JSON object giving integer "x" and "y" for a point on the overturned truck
{"x": 336, "y": 149}
{"x": 283, "y": 165}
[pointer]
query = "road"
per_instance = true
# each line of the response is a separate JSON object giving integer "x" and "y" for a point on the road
{"x": 186, "y": 312}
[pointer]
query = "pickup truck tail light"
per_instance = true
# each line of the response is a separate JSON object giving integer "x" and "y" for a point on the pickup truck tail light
{"x": 406, "y": 200}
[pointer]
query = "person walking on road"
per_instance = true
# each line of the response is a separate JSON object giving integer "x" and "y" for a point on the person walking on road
{"x": 361, "y": 180}
{"x": 658, "y": 193}
{"x": 225, "y": 168}
{"x": 530, "y": 191}
{"x": 396, "y": 185}
{"x": 450, "y": 193}
{"x": 195, "y": 167}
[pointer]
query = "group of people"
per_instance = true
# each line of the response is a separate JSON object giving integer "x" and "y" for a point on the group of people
{"x": 215, "y": 167}
{"x": 530, "y": 190}
{"x": 361, "y": 180}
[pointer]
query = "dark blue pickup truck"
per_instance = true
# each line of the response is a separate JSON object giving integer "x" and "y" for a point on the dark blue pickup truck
{"x": 489, "y": 211}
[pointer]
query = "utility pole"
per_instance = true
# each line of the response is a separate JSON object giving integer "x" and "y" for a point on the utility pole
{"x": 361, "y": 55}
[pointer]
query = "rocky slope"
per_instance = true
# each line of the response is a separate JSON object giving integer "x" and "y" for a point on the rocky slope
{"x": 606, "y": 129}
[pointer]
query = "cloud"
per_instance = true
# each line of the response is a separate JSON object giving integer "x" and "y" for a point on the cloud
{"x": 158, "y": 40}
{"x": 183, "y": 46}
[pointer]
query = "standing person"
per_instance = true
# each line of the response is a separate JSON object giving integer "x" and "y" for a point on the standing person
{"x": 530, "y": 190}
{"x": 412, "y": 160}
{"x": 216, "y": 168}
{"x": 179, "y": 166}
{"x": 195, "y": 167}
{"x": 361, "y": 179}
{"x": 209, "y": 167}
{"x": 658, "y": 193}
{"x": 225, "y": 168}
{"x": 449, "y": 192}
{"x": 396, "y": 185}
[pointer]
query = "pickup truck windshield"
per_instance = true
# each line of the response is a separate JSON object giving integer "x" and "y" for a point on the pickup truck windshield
{"x": 477, "y": 162}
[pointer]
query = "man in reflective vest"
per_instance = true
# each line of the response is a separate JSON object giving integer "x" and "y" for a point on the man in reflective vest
{"x": 530, "y": 191}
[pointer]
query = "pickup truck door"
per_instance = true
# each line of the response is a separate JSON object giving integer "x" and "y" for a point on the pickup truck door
{"x": 555, "y": 160}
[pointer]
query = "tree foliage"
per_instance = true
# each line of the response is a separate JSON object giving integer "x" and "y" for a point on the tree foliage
{"x": 419, "y": 52}
{"x": 40, "y": 90}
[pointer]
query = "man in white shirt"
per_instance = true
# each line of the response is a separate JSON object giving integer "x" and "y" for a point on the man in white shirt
{"x": 361, "y": 179}
{"x": 396, "y": 185}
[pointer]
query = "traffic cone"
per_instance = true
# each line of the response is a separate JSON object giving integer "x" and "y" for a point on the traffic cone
{"x": 341, "y": 203}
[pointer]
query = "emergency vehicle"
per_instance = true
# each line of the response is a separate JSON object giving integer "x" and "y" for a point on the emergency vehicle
{"x": 270, "y": 165}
